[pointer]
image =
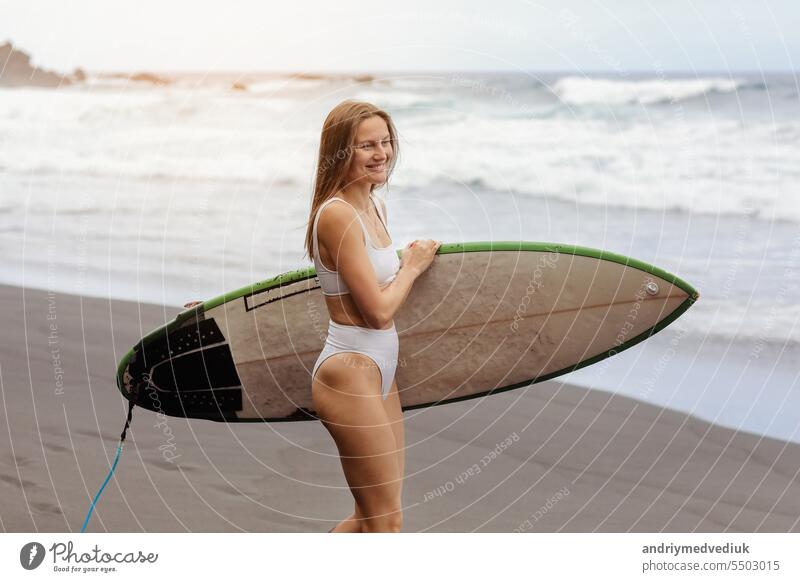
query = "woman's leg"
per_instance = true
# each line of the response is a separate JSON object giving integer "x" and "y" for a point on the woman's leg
{"x": 347, "y": 399}
{"x": 394, "y": 412}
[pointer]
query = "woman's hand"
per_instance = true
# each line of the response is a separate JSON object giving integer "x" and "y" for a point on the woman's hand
{"x": 418, "y": 255}
{"x": 192, "y": 304}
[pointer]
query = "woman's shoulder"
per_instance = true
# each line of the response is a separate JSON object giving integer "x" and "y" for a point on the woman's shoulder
{"x": 335, "y": 215}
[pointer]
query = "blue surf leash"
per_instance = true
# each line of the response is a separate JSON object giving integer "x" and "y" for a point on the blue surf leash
{"x": 113, "y": 466}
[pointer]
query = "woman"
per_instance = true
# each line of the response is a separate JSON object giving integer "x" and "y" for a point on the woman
{"x": 364, "y": 284}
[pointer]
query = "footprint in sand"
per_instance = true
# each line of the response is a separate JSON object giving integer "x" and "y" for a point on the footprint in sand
{"x": 57, "y": 448}
{"x": 15, "y": 461}
{"x": 232, "y": 490}
{"x": 47, "y": 508}
{"x": 14, "y": 481}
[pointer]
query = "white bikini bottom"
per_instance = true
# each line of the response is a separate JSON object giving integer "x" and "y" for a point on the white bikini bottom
{"x": 380, "y": 345}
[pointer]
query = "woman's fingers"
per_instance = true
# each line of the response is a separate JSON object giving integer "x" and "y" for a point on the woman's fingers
{"x": 435, "y": 243}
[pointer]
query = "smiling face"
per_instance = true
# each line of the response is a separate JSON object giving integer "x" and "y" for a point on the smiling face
{"x": 372, "y": 152}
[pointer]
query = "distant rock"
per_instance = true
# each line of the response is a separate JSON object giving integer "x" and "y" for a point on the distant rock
{"x": 309, "y": 77}
{"x": 150, "y": 78}
{"x": 139, "y": 77}
{"x": 78, "y": 75}
{"x": 239, "y": 87}
{"x": 18, "y": 71}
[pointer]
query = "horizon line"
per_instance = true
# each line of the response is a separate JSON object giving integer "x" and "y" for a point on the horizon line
{"x": 350, "y": 72}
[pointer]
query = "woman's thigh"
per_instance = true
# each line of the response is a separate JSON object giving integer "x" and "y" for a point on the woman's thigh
{"x": 394, "y": 412}
{"x": 347, "y": 399}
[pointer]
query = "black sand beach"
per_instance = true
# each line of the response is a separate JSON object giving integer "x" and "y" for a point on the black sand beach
{"x": 573, "y": 460}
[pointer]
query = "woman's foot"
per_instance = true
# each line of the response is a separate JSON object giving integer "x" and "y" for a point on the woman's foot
{"x": 349, "y": 525}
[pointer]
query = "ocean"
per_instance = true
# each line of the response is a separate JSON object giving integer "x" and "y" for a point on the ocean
{"x": 165, "y": 194}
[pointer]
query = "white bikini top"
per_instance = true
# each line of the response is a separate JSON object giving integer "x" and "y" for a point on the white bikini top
{"x": 384, "y": 259}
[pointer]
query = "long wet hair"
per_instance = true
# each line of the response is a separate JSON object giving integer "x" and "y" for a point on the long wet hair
{"x": 336, "y": 150}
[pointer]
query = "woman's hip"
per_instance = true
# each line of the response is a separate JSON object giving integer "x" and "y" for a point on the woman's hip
{"x": 343, "y": 337}
{"x": 380, "y": 346}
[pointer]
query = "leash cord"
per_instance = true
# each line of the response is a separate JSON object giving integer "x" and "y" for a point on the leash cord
{"x": 113, "y": 465}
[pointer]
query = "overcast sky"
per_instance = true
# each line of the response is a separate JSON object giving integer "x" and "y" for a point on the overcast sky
{"x": 409, "y": 35}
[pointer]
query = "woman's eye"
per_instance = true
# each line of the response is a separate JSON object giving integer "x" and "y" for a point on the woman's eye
{"x": 387, "y": 142}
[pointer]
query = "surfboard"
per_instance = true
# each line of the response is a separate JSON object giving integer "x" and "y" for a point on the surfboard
{"x": 486, "y": 317}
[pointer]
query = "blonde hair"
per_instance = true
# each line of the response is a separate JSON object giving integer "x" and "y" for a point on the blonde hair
{"x": 336, "y": 152}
